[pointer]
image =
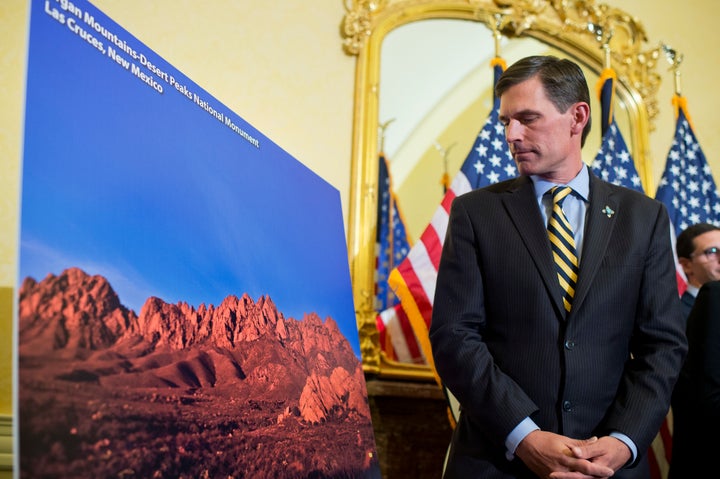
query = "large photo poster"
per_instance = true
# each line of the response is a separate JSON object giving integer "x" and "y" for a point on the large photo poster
{"x": 184, "y": 299}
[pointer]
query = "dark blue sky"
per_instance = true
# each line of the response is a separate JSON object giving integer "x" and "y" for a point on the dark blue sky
{"x": 153, "y": 192}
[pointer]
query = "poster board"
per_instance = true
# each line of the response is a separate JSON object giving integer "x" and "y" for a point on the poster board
{"x": 184, "y": 299}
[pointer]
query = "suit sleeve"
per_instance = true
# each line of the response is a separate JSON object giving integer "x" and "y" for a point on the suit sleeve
{"x": 658, "y": 344}
{"x": 488, "y": 396}
{"x": 707, "y": 315}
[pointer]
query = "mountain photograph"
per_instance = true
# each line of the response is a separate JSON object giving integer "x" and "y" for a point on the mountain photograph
{"x": 234, "y": 390}
{"x": 184, "y": 300}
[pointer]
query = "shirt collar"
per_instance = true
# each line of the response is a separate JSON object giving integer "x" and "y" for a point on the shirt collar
{"x": 580, "y": 184}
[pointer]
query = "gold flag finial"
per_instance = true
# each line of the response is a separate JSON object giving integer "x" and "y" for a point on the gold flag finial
{"x": 444, "y": 152}
{"x": 675, "y": 58}
{"x": 383, "y": 127}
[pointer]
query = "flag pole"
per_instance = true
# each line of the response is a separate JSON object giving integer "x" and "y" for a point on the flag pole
{"x": 383, "y": 127}
{"x": 675, "y": 59}
{"x": 444, "y": 152}
{"x": 496, "y": 33}
{"x": 603, "y": 36}
{"x": 608, "y": 53}
{"x": 678, "y": 101}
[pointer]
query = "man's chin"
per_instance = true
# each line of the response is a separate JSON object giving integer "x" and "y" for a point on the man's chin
{"x": 524, "y": 167}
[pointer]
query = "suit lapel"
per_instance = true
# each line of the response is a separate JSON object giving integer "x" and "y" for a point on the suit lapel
{"x": 601, "y": 217}
{"x": 522, "y": 207}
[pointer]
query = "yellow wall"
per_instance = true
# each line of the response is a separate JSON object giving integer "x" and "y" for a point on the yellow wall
{"x": 12, "y": 46}
{"x": 281, "y": 67}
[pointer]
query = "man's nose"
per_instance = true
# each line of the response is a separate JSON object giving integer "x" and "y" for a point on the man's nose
{"x": 513, "y": 131}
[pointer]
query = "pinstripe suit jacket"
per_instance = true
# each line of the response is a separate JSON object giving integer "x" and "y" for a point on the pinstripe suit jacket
{"x": 686, "y": 303}
{"x": 696, "y": 398}
{"x": 503, "y": 344}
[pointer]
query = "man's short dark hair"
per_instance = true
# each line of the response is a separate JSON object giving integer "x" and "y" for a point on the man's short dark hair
{"x": 685, "y": 244}
{"x": 563, "y": 80}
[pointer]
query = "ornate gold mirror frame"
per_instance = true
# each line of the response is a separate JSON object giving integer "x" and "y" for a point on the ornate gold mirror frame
{"x": 592, "y": 34}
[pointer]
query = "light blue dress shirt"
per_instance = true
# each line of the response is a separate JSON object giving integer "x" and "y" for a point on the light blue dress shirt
{"x": 574, "y": 206}
{"x": 575, "y": 209}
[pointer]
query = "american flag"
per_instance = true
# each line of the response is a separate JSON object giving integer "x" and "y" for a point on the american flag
{"x": 413, "y": 280}
{"x": 688, "y": 191}
{"x": 687, "y": 187}
{"x": 396, "y": 336}
{"x": 613, "y": 162}
{"x": 392, "y": 241}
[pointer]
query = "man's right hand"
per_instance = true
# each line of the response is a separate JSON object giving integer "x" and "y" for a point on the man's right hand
{"x": 550, "y": 456}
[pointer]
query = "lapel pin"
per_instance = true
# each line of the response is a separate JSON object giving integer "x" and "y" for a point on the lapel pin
{"x": 608, "y": 211}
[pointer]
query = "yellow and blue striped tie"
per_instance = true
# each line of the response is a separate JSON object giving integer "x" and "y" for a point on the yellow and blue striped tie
{"x": 563, "y": 245}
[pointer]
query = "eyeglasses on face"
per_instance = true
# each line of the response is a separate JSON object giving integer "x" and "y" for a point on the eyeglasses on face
{"x": 708, "y": 254}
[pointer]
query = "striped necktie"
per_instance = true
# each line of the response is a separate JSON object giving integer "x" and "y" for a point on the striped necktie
{"x": 562, "y": 241}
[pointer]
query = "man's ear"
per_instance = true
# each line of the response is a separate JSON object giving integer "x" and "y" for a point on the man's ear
{"x": 686, "y": 265}
{"x": 581, "y": 115}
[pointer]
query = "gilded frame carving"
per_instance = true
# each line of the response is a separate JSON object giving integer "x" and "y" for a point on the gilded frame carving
{"x": 595, "y": 34}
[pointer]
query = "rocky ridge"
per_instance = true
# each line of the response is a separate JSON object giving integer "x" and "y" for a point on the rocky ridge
{"x": 248, "y": 346}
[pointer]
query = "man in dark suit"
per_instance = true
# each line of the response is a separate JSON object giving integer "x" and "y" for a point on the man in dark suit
{"x": 698, "y": 251}
{"x": 696, "y": 398}
{"x": 572, "y": 380}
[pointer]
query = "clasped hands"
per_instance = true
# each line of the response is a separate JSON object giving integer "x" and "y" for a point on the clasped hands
{"x": 552, "y": 456}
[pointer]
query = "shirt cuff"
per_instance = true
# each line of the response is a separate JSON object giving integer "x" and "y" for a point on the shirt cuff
{"x": 628, "y": 442}
{"x": 517, "y": 435}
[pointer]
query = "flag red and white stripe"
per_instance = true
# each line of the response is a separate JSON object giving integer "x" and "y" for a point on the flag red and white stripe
{"x": 414, "y": 279}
